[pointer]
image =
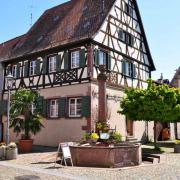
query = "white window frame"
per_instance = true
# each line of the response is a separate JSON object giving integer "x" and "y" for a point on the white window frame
{"x": 32, "y": 68}
{"x": 75, "y": 107}
{"x": 129, "y": 69}
{"x": 53, "y": 108}
{"x": 102, "y": 57}
{"x": 75, "y": 59}
{"x": 52, "y": 64}
{"x": 14, "y": 71}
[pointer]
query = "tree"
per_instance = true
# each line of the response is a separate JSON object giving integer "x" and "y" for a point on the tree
{"x": 158, "y": 103}
{"x": 22, "y": 117}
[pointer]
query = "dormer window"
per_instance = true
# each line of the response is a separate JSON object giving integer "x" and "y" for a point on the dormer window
{"x": 75, "y": 59}
{"x": 122, "y": 35}
{"x": 128, "y": 9}
{"x": 52, "y": 64}
{"x": 32, "y": 68}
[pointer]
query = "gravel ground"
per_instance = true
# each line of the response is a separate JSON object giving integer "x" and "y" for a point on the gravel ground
{"x": 40, "y": 166}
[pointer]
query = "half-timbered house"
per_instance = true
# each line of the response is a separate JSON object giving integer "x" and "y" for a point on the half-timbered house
{"x": 60, "y": 56}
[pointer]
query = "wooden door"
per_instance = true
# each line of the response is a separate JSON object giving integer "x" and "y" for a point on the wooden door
{"x": 129, "y": 127}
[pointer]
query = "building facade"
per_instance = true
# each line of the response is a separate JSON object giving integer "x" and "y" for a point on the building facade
{"x": 60, "y": 57}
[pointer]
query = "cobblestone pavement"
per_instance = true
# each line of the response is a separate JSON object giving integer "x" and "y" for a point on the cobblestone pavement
{"x": 40, "y": 166}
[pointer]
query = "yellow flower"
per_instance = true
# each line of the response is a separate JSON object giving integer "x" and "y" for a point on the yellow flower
{"x": 94, "y": 136}
{"x": 177, "y": 141}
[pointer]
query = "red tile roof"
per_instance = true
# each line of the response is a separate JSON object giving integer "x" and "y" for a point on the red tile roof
{"x": 69, "y": 22}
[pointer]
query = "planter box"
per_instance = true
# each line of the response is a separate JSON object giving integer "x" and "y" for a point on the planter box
{"x": 177, "y": 148}
{"x": 11, "y": 154}
{"x": 118, "y": 156}
{"x": 2, "y": 153}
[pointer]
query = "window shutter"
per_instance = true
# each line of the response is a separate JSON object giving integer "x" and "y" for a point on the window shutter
{"x": 45, "y": 63}
{"x": 3, "y": 107}
{"x": 39, "y": 105}
{"x": 96, "y": 57}
{"x": 109, "y": 62}
{"x": 44, "y": 108}
{"x": 62, "y": 107}
{"x": 26, "y": 69}
{"x": 38, "y": 64}
{"x": 58, "y": 63}
{"x": 66, "y": 60}
{"x": 86, "y": 106}
{"x": 82, "y": 58}
{"x": 124, "y": 67}
{"x": 133, "y": 70}
{"x": 18, "y": 70}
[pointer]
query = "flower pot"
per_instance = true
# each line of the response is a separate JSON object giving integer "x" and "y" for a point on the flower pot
{"x": 11, "y": 153}
{"x": 2, "y": 152}
{"x": 25, "y": 146}
{"x": 177, "y": 148}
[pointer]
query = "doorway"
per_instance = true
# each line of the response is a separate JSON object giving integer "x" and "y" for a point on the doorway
{"x": 129, "y": 127}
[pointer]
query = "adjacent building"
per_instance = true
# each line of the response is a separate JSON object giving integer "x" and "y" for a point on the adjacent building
{"x": 60, "y": 56}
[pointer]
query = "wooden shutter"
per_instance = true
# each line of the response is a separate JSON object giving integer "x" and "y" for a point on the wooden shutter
{"x": 58, "y": 63}
{"x": 38, "y": 64}
{"x": 62, "y": 107}
{"x": 124, "y": 67}
{"x": 26, "y": 69}
{"x": 96, "y": 61}
{"x": 45, "y": 64}
{"x": 44, "y": 108}
{"x": 82, "y": 58}
{"x": 3, "y": 107}
{"x": 39, "y": 105}
{"x": 86, "y": 106}
{"x": 66, "y": 60}
{"x": 109, "y": 62}
{"x": 18, "y": 70}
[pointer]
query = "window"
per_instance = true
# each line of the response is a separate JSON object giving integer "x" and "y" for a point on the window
{"x": 130, "y": 39}
{"x": 102, "y": 58}
{"x": 52, "y": 64}
{"x": 14, "y": 71}
{"x": 128, "y": 9}
{"x": 122, "y": 35}
{"x": 75, "y": 59}
{"x": 54, "y": 108}
{"x": 129, "y": 69}
{"x": 32, "y": 68}
{"x": 75, "y": 107}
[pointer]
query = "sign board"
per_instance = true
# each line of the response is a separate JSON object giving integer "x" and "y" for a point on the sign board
{"x": 65, "y": 150}
{"x": 104, "y": 135}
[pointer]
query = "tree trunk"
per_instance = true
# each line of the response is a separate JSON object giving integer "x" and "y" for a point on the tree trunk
{"x": 155, "y": 134}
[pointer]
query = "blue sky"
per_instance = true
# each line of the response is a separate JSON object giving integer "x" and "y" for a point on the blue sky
{"x": 160, "y": 19}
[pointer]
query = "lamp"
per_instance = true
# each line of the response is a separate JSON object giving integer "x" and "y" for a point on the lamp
{"x": 9, "y": 82}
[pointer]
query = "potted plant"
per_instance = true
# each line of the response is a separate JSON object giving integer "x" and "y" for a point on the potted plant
{"x": 2, "y": 151}
{"x": 25, "y": 119}
{"x": 11, "y": 151}
{"x": 177, "y": 146}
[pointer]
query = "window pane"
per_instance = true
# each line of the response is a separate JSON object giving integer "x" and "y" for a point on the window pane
{"x": 75, "y": 58}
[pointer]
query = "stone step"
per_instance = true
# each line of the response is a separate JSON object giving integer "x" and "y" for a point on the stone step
{"x": 132, "y": 139}
{"x": 154, "y": 158}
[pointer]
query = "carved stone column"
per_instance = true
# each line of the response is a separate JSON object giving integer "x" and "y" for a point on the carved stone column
{"x": 102, "y": 93}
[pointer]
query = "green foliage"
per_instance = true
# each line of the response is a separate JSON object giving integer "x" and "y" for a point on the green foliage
{"x": 117, "y": 137}
{"x": 22, "y": 119}
{"x": 156, "y": 103}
